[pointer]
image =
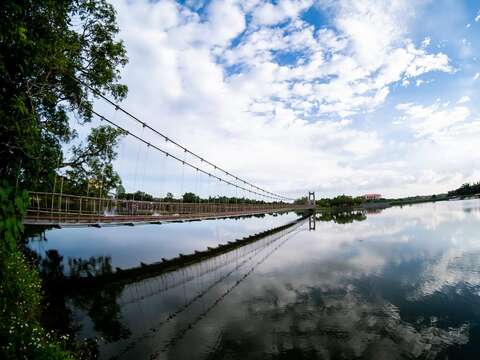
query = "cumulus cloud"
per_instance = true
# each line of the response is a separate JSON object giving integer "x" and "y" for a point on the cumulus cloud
{"x": 269, "y": 14}
{"x": 224, "y": 31}
{"x": 439, "y": 155}
{"x": 283, "y": 100}
{"x": 438, "y": 121}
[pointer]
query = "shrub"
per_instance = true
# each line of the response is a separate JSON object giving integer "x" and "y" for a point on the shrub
{"x": 21, "y": 335}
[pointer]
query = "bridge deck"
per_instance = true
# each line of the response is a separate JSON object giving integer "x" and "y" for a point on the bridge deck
{"x": 71, "y": 210}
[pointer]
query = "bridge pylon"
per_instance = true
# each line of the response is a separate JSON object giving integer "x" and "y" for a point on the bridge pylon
{"x": 311, "y": 198}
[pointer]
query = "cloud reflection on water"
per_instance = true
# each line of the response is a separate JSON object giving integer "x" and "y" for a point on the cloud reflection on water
{"x": 403, "y": 283}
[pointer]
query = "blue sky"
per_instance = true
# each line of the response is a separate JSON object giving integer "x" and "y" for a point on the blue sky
{"x": 347, "y": 96}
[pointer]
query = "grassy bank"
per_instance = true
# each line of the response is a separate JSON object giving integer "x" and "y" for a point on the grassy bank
{"x": 21, "y": 334}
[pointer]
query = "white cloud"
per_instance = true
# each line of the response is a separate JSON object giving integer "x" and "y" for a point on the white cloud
{"x": 337, "y": 63}
{"x": 442, "y": 153}
{"x": 463, "y": 99}
{"x": 270, "y": 14}
{"x": 426, "y": 42}
{"x": 223, "y": 31}
{"x": 372, "y": 27}
{"x": 271, "y": 114}
{"x": 477, "y": 75}
{"x": 433, "y": 120}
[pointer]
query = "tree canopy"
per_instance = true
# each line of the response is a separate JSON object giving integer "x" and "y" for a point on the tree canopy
{"x": 340, "y": 201}
{"x": 90, "y": 170}
{"x": 51, "y": 51}
{"x": 466, "y": 190}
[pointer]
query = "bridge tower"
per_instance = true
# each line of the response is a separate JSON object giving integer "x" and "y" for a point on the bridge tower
{"x": 311, "y": 198}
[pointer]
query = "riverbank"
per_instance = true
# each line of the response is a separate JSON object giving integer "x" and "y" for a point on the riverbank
{"x": 416, "y": 200}
{"x": 386, "y": 203}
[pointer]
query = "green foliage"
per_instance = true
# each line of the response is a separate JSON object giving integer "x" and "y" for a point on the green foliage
{"x": 21, "y": 336}
{"x": 416, "y": 199}
{"x": 466, "y": 190}
{"x": 340, "y": 201}
{"x": 138, "y": 195}
{"x": 231, "y": 200}
{"x": 301, "y": 201}
{"x": 190, "y": 197}
{"x": 120, "y": 190}
{"x": 90, "y": 171}
{"x": 44, "y": 44}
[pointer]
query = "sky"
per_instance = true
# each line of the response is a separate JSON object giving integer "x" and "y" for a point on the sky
{"x": 346, "y": 96}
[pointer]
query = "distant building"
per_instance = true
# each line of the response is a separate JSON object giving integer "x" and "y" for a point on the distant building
{"x": 372, "y": 196}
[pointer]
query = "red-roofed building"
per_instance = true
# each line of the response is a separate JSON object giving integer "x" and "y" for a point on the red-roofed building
{"x": 372, "y": 196}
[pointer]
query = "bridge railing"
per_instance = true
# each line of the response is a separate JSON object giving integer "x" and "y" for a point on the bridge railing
{"x": 82, "y": 208}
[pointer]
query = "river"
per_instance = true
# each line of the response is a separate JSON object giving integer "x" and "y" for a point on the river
{"x": 400, "y": 283}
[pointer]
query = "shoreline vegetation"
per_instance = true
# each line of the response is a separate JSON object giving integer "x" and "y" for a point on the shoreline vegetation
{"x": 347, "y": 203}
{"x": 52, "y": 54}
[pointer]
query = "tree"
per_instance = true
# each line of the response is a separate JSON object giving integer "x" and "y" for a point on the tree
{"x": 302, "y": 200}
{"x": 21, "y": 334}
{"x": 120, "y": 191}
{"x": 90, "y": 170}
{"x": 137, "y": 195}
{"x": 52, "y": 51}
{"x": 340, "y": 201}
{"x": 190, "y": 197}
{"x": 466, "y": 190}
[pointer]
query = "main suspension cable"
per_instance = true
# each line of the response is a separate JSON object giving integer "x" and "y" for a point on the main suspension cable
{"x": 183, "y": 162}
{"x": 186, "y": 150}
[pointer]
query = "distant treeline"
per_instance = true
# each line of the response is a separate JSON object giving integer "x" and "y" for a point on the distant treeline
{"x": 188, "y": 197}
{"x": 466, "y": 190}
{"x": 417, "y": 199}
{"x": 341, "y": 201}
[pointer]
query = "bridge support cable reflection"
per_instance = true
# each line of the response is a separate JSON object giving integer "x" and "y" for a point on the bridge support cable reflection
{"x": 149, "y": 287}
{"x": 226, "y": 262}
{"x": 181, "y": 334}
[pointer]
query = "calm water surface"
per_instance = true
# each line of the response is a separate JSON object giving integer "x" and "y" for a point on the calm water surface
{"x": 127, "y": 246}
{"x": 403, "y": 283}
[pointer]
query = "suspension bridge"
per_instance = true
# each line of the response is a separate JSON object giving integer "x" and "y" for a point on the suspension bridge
{"x": 221, "y": 198}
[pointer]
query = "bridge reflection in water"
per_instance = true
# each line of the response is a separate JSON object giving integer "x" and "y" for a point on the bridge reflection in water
{"x": 153, "y": 314}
